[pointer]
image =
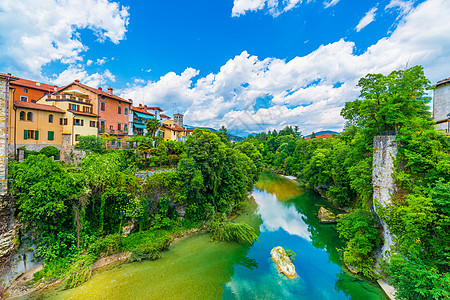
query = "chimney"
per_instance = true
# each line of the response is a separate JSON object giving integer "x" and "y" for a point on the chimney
{"x": 100, "y": 88}
{"x": 140, "y": 105}
{"x": 131, "y": 101}
{"x": 110, "y": 90}
{"x": 9, "y": 74}
{"x": 77, "y": 80}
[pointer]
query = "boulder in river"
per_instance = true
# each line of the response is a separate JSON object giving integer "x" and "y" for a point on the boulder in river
{"x": 326, "y": 216}
{"x": 284, "y": 263}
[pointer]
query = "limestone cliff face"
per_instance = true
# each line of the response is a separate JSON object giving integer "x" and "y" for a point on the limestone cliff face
{"x": 384, "y": 153}
{"x": 7, "y": 231}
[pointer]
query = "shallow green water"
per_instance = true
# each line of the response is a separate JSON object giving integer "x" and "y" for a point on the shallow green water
{"x": 195, "y": 268}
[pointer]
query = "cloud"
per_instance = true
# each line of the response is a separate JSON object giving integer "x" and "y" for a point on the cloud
{"x": 308, "y": 91}
{"x": 273, "y": 7}
{"x": 367, "y": 19}
{"x": 405, "y": 7}
{"x": 331, "y": 3}
{"x": 36, "y": 33}
{"x": 78, "y": 72}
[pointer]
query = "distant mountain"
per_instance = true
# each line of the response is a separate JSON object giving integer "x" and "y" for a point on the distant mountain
{"x": 325, "y": 132}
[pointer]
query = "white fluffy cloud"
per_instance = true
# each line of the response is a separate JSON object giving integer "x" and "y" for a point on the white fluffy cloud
{"x": 273, "y": 7}
{"x": 367, "y": 19}
{"x": 308, "y": 91}
{"x": 44, "y": 31}
{"x": 78, "y": 72}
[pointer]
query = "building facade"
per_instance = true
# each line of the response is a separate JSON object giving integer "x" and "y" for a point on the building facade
{"x": 138, "y": 120}
{"x": 34, "y": 126}
{"x": 441, "y": 105}
{"x": 30, "y": 91}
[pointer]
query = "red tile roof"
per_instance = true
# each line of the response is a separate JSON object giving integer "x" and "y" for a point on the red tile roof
{"x": 165, "y": 116}
{"x": 134, "y": 108}
{"x": 443, "y": 81}
{"x": 174, "y": 128}
{"x": 35, "y": 85}
{"x": 8, "y": 76}
{"x": 96, "y": 91}
{"x": 36, "y": 106}
{"x": 154, "y": 108}
{"x": 322, "y": 136}
{"x": 82, "y": 113}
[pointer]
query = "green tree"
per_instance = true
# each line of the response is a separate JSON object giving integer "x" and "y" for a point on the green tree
{"x": 152, "y": 127}
{"x": 92, "y": 143}
{"x": 144, "y": 146}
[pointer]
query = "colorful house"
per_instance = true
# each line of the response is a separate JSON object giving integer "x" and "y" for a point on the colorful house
{"x": 78, "y": 119}
{"x": 138, "y": 120}
{"x": 112, "y": 111}
{"x": 174, "y": 130}
{"x": 34, "y": 126}
{"x": 30, "y": 91}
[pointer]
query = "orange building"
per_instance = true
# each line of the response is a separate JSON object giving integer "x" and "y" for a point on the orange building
{"x": 112, "y": 110}
{"x": 29, "y": 91}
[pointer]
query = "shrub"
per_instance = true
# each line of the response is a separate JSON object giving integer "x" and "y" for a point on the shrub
{"x": 50, "y": 151}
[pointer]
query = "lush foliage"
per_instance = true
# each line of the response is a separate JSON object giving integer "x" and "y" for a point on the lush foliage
{"x": 75, "y": 214}
{"x": 92, "y": 143}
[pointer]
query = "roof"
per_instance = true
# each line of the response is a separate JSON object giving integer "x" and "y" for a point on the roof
{"x": 35, "y": 85}
{"x": 322, "y": 136}
{"x": 82, "y": 113}
{"x": 443, "y": 81}
{"x": 9, "y": 76}
{"x": 96, "y": 91}
{"x": 36, "y": 106}
{"x": 137, "y": 109}
{"x": 174, "y": 128}
{"x": 154, "y": 108}
{"x": 177, "y": 114}
{"x": 164, "y": 116}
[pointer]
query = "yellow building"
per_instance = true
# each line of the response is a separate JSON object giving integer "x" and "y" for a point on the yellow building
{"x": 78, "y": 119}
{"x": 173, "y": 132}
{"x": 34, "y": 126}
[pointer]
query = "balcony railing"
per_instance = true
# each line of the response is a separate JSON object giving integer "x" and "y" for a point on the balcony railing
{"x": 68, "y": 97}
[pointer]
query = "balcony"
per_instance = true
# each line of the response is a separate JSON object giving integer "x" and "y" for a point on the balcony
{"x": 68, "y": 97}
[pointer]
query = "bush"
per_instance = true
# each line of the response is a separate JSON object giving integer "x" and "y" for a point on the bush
{"x": 92, "y": 143}
{"x": 50, "y": 151}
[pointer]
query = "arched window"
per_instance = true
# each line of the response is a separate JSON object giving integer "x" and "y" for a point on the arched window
{"x": 29, "y": 116}
{"x": 22, "y": 115}
{"x": 50, "y": 118}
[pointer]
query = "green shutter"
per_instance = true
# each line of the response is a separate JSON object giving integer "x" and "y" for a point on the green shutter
{"x": 36, "y": 135}
{"x": 51, "y": 135}
{"x": 25, "y": 134}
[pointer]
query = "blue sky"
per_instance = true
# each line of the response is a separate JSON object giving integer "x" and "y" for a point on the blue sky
{"x": 251, "y": 65}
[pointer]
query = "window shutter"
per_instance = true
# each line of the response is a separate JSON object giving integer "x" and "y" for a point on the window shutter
{"x": 51, "y": 135}
{"x": 60, "y": 121}
{"x": 78, "y": 108}
{"x": 82, "y": 122}
{"x": 70, "y": 107}
{"x": 36, "y": 135}
{"x": 25, "y": 134}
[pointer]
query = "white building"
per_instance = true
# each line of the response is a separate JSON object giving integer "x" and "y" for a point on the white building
{"x": 441, "y": 105}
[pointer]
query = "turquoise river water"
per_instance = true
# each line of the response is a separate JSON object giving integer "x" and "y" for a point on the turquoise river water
{"x": 195, "y": 268}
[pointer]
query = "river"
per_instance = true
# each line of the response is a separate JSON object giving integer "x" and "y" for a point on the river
{"x": 195, "y": 268}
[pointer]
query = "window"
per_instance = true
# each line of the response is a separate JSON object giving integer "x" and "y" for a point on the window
{"x": 78, "y": 122}
{"x": 125, "y": 111}
{"x": 92, "y": 124}
{"x": 29, "y": 116}
{"x": 125, "y": 127}
{"x": 62, "y": 121}
{"x": 119, "y": 126}
{"x": 24, "y": 98}
{"x": 22, "y": 115}
{"x": 119, "y": 110}
{"x": 86, "y": 109}
{"x": 102, "y": 125}
{"x": 103, "y": 106}
{"x": 25, "y": 90}
{"x": 50, "y": 135}
{"x": 111, "y": 127}
{"x": 31, "y": 134}
{"x": 77, "y": 137}
{"x": 50, "y": 118}
{"x": 73, "y": 106}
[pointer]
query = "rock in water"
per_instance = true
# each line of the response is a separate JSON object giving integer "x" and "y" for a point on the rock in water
{"x": 326, "y": 216}
{"x": 283, "y": 261}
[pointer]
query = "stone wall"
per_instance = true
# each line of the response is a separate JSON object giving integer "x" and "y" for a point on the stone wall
{"x": 384, "y": 154}
{"x": 3, "y": 134}
{"x": 441, "y": 106}
{"x": 68, "y": 152}
{"x": 28, "y": 147}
